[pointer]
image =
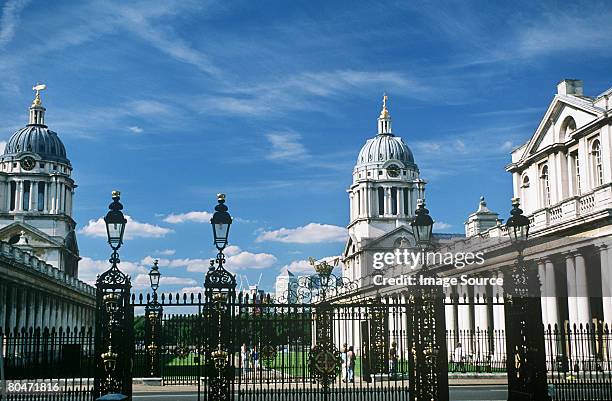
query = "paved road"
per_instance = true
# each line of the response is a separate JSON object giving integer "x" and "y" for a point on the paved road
{"x": 457, "y": 393}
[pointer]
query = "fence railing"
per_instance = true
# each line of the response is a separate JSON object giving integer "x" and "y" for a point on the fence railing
{"x": 45, "y": 364}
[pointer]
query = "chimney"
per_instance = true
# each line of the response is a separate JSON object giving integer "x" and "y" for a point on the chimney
{"x": 570, "y": 87}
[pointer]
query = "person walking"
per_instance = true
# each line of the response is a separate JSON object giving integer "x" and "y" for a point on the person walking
{"x": 350, "y": 365}
{"x": 244, "y": 357}
{"x": 393, "y": 361}
{"x": 255, "y": 358}
{"x": 343, "y": 358}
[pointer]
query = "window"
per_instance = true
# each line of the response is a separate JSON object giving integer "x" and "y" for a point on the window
{"x": 567, "y": 127}
{"x": 381, "y": 201}
{"x": 406, "y": 202}
{"x": 26, "y": 196}
{"x": 41, "y": 196}
{"x": 597, "y": 168}
{"x": 545, "y": 186}
{"x": 13, "y": 194}
{"x": 42, "y": 165}
{"x": 576, "y": 173}
{"x": 393, "y": 200}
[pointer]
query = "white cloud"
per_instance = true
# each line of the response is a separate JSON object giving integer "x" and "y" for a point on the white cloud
{"x": 2, "y": 146}
{"x": 165, "y": 252}
{"x": 311, "y": 233}
{"x": 507, "y": 146}
{"x": 236, "y": 259}
{"x": 90, "y": 268}
{"x": 135, "y": 129}
{"x": 10, "y": 20}
{"x": 133, "y": 229}
{"x": 286, "y": 146}
{"x": 143, "y": 281}
{"x": 248, "y": 260}
{"x": 195, "y": 216}
{"x": 440, "y": 225}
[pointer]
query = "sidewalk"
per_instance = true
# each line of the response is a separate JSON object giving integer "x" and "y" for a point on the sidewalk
{"x": 472, "y": 380}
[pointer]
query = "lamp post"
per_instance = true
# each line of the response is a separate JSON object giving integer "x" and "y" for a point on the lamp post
{"x": 153, "y": 317}
{"x": 219, "y": 288}
{"x": 526, "y": 361}
{"x": 427, "y": 359}
{"x": 114, "y": 317}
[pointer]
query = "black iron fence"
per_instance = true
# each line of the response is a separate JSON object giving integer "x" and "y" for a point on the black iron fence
{"x": 48, "y": 364}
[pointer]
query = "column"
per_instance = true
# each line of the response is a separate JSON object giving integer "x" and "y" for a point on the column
{"x": 464, "y": 322}
{"x": 499, "y": 322}
{"x": 572, "y": 301}
{"x": 606, "y": 283}
{"x": 34, "y": 195}
{"x": 387, "y": 201}
{"x": 12, "y": 312}
{"x": 449, "y": 317}
{"x": 481, "y": 324}
{"x": 40, "y": 309}
{"x": 47, "y": 311}
{"x": 19, "y": 196}
{"x": 542, "y": 276}
{"x": 582, "y": 291}
{"x": 23, "y": 309}
{"x": 552, "y": 310}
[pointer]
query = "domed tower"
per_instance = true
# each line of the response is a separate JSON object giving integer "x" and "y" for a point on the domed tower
{"x": 386, "y": 183}
{"x": 36, "y": 191}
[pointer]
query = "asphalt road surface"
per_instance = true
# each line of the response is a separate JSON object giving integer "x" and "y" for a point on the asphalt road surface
{"x": 457, "y": 393}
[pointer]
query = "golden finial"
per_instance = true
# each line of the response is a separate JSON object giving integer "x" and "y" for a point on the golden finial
{"x": 38, "y": 88}
{"x": 116, "y": 194}
{"x": 221, "y": 197}
{"x": 384, "y": 113}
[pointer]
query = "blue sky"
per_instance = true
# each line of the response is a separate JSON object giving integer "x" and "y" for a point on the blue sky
{"x": 270, "y": 102}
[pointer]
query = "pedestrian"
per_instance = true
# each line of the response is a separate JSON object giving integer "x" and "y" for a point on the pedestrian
{"x": 255, "y": 358}
{"x": 393, "y": 360}
{"x": 365, "y": 365}
{"x": 458, "y": 358}
{"x": 244, "y": 357}
{"x": 350, "y": 365}
{"x": 343, "y": 358}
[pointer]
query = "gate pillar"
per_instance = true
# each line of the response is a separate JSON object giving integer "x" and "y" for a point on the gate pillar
{"x": 114, "y": 337}
{"x": 426, "y": 332}
{"x": 525, "y": 344}
{"x": 220, "y": 293}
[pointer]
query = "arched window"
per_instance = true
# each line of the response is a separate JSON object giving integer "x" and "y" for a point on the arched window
{"x": 381, "y": 201}
{"x": 545, "y": 181}
{"x": 597, "y": 168}
{"x": 575, "y": 163}
{"x": 13, "y": 194}
{"x": 394, "y": 200}
{"x": 41, "y": 196}
{"x": 26, "y": 196}
{"x": 567, "y": 127}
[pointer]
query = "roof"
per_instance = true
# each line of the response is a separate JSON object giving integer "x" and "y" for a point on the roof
{"x": 385, "y": 147}
{"x": 37, "y": 139}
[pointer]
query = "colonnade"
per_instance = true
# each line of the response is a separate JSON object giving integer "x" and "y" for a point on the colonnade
{"x": 25, "y": 307}
{"x": 23, "y": 195}
{"x": 366, "y": 201}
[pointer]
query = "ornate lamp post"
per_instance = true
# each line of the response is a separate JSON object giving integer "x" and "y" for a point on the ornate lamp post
{"x": 114, "y": 317}
{"x": 427, "y": 360}
{"x": 153, "y": 317}
{"x": 526, "y": 361}
{"x": 219, "y": 288}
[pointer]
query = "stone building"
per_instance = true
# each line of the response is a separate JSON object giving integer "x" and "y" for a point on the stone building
{"x": 39, "y": 283}
{"x": 563, "y": 177}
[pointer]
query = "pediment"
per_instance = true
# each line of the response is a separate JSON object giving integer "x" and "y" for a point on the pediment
{"x": 549, "y": 130}
{"x": 400, "y": 237}
{"x": 36, "y": 238}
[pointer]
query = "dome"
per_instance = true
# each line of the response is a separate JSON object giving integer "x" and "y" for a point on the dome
{"x": 36, "y": 139}
{"x": 383, "y": 148}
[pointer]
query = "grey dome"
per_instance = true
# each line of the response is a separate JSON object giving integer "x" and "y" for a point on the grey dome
{"x": 383, "y": 148}
{"x": 36, "y": 139}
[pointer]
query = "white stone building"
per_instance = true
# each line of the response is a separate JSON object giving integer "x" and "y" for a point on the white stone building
{"x": 39, "y": 283}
